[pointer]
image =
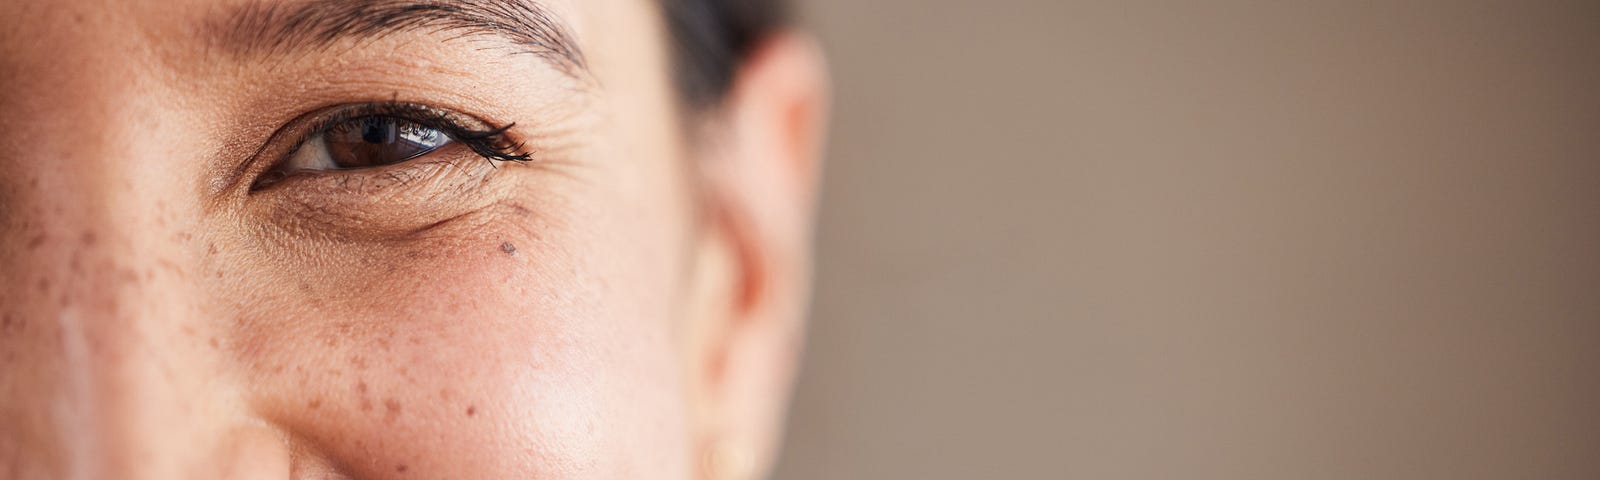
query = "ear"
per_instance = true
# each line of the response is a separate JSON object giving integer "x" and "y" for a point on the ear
{"x": 751, "y": 279}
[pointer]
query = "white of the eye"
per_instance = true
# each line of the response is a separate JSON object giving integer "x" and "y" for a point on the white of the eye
{"x": 312, "y": 155}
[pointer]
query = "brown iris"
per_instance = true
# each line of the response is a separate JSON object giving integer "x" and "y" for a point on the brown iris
{"x": 377, "y": 141}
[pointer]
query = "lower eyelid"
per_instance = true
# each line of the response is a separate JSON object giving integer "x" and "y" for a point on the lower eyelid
{"x": 381, "y": 203}
{"x": 451, "y": 166}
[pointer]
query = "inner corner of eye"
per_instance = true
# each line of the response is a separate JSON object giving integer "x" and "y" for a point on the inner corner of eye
{"x": 309, "y": 155}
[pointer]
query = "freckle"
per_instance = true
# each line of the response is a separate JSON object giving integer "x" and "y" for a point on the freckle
{"x": 361, "y": 387}
{"x": 314, "y": 404}
{"x": 472, "y": 411}
{"x": 521, "y": 210}
{"x": 36, "y": 242}
{"x": 392, "y": 409}
{"x": 44, "y": 285}
{"x": 127, "y": 276}
{"x": 90, "y": 239}
{"x": 366, "y": 404}
{"x": 400, "y": 468}
{"x": 508, "y": 248}
{"x": 214, "y": 343}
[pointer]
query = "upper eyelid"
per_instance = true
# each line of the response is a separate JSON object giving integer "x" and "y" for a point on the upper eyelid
{"x": 421, "y": 114}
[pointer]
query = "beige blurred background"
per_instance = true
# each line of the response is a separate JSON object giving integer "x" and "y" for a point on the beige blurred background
{"x": 1207, "y": 240}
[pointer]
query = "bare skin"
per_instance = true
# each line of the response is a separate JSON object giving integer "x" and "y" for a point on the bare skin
{"x": 626, "y": 303}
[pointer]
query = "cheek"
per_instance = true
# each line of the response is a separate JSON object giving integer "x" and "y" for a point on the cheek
{"x": 503, "y": 350}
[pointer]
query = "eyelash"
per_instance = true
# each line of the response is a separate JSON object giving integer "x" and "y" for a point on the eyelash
{"x": 490, "y": 144}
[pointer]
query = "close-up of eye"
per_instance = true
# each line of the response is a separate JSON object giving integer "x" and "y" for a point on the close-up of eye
{"x": 368, "y": 136}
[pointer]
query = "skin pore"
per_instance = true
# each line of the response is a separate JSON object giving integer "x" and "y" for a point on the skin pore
{"x": 626, "y": 302}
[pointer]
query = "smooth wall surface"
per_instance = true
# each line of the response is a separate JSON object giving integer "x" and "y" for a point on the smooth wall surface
{"x": 1207, "y": 240}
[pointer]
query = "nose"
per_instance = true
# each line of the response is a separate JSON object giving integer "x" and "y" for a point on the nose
{"x": 116, "y": 362}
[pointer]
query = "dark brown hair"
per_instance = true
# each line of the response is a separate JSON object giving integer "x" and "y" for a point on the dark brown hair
{"x": 711, "y": 38}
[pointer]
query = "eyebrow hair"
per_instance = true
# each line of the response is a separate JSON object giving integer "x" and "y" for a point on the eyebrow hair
{"x": 276, "y": 28}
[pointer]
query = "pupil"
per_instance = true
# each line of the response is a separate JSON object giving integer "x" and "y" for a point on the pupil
{"x": 376, "y": 130}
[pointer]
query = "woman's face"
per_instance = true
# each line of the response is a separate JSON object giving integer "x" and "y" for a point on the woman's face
{"x": 269, "y": 239}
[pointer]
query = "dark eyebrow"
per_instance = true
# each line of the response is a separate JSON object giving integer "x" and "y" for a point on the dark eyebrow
{"x": 276, "y": 28}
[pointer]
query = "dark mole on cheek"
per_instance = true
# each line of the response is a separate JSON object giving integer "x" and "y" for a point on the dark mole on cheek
{"x": 508, "y": 248}
{"x": 472, "y": 410}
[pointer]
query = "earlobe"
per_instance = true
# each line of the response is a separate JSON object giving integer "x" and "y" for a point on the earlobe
{"x": 760, "y": 189}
